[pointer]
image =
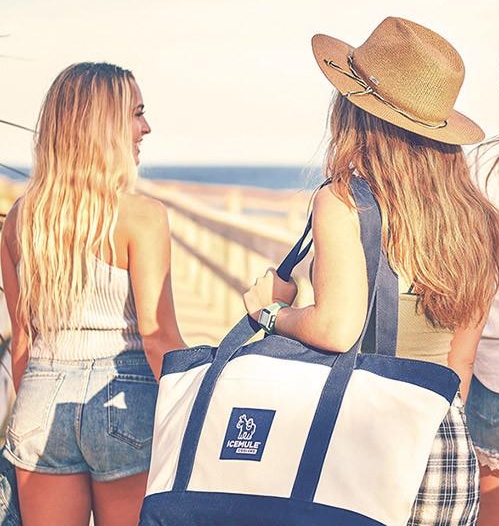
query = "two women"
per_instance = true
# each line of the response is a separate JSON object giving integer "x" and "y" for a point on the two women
{"x": 86, "y": 267}
{"x": 392, "y": 123}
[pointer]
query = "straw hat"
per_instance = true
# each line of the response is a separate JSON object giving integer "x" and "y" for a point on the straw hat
{"x": 405, "y": 74}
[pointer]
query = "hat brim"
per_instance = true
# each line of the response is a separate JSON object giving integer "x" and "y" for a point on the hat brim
{"x": 459, "y": 129}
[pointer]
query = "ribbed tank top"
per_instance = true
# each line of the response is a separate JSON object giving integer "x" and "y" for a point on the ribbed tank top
{"x": 109, "y": 322}
{"x": 417, "y": 338}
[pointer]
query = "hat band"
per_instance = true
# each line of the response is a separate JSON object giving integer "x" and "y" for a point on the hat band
{"x": 368, "y": 90}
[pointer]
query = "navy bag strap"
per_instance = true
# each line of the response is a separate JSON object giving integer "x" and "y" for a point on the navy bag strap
{"x": 383, "y": 322}
{"x": 328, "y": 408}
{"x": 342, "y": 363}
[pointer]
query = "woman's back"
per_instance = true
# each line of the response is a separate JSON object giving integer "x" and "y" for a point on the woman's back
{"x": 87, "y": 278}
{"x": 107, "y": 320}
{"x": 106, "y": 325}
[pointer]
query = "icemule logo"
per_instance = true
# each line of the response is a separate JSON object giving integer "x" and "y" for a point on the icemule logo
{"x": 247, "y": 433}
{"x": 246, "y": 428}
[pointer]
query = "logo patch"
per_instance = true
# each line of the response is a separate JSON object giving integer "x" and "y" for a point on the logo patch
{"x": 247, "y": 433}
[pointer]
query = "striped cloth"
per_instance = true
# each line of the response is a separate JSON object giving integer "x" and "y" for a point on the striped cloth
{"x": 449, "y": 494}
{"x": 108, "y": 326}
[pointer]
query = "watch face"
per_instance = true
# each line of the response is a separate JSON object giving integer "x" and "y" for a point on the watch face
{"x": 264, "y": 318}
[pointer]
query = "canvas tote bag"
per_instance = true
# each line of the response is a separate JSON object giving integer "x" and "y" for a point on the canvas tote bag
{"x": 279, "y": 433}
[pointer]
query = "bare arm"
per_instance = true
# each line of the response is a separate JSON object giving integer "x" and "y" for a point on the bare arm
{"x": 19, "y": 342}
{"x": 462, "y": 354}
{"x": 335, "y": 320}
{"x": 149, "y": 263}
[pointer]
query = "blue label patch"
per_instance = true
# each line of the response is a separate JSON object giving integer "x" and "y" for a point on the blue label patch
{"x": 247, "y": 433}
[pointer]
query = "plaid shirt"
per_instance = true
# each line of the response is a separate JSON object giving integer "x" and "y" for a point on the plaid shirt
{"x": 449, "y": 493}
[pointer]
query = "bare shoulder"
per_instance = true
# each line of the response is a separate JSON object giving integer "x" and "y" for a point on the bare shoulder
{"x": 330, "y": 211}
{"x": 137, "y": 211}
{"x": 11, "y": 217}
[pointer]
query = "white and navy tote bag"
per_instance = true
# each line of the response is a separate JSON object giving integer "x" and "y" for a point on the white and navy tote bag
{"x": 278, "y": 433}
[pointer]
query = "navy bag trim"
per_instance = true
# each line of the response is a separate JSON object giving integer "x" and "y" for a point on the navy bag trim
{"x": 229, "y": 509}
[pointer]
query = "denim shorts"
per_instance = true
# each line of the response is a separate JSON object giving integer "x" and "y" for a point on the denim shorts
{"x": 91, "y": 416}
{"x": 482, "y": 414}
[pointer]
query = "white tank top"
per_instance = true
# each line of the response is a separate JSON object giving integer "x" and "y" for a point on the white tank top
{"x": 109, "y": 322}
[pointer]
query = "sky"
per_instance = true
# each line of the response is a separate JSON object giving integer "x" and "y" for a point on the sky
{"x": 224, "y": 81}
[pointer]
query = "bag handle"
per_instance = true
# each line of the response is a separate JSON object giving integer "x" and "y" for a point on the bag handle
{"x": 296, "y": 254}
{"x": 382, "y": 319}
{"x": 380, "y": 336}
{"x": 342, "y": 363}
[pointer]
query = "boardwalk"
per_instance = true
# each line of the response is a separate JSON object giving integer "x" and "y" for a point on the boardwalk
{"x": 223, "y": 237}
{"x": 199, "y": 320}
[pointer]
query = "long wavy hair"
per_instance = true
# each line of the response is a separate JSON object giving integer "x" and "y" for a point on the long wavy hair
{"x": 83, "y": 158}
{"x": 439, "y": 232}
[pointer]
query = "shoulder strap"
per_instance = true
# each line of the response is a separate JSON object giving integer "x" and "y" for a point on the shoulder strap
{"x": 381, "y": 332}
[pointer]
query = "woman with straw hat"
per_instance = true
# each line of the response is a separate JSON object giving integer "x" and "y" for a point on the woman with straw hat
{"x": 392, "y": 123}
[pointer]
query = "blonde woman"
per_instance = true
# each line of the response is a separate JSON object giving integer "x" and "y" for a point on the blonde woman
{"x": 393, "y": 124}
{"x": 86, "y": 267}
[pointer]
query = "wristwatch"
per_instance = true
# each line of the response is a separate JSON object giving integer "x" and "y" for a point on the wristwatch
{"x": 268, "y": 316}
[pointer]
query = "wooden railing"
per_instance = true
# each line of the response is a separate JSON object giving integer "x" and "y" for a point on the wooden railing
{"x": 221, "y": 253}
{"x": 222, "y": 239}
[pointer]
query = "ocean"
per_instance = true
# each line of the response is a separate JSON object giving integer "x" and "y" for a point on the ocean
{"x": 270, "y": 177}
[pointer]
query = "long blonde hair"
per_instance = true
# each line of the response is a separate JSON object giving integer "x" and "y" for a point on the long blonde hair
{"x": 83, "y": 158}
{"x": 439, "y": 231}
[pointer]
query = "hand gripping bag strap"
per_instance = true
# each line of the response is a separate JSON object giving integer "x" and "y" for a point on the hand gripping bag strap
{"x": 246, "y": 328}
{"x": 385, "y": 339}
{"x": 371, "y": 230}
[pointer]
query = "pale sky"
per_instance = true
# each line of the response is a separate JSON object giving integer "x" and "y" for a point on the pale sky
{"x": 224, "y": 81}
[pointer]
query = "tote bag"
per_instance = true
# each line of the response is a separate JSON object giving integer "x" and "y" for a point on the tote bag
{"x": 279, "y": 433}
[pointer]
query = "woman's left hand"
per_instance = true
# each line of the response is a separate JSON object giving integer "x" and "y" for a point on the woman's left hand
{"x": 267, "y": 290}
